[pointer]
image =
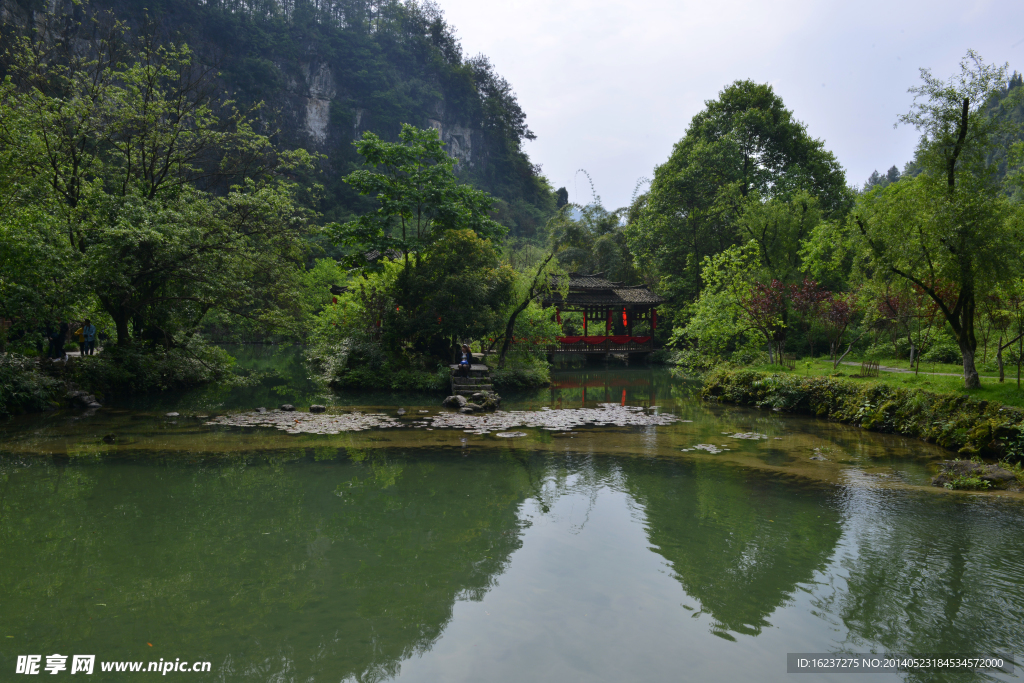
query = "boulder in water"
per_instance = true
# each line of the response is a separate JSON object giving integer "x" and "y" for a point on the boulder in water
{"x": 287, "y": 407}
{"x": 454, "y": 402}
{"x": 317, "y": 408}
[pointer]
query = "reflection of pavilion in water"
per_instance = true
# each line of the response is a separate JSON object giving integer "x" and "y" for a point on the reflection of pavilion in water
{"x": 632, "y": 387}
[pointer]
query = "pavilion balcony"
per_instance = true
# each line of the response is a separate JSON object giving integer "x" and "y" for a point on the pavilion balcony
{"x": 601, "y": 344}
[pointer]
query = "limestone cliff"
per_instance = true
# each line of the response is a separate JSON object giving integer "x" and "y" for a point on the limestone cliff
{"x": 328, "y": 71}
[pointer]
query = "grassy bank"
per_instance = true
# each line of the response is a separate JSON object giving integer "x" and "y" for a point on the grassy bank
{"x": 970, "y": 425}
{"x": 991, "y": 389}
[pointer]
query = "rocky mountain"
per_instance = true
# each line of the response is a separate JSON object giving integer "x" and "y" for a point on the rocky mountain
{"x": 328, "y": 70}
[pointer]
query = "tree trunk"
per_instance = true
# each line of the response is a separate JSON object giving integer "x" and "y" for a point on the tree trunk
{"x": 121, "y": 323}
{"x": 963, "y": 329}
{"x": 530, "y": 294}
{"x": 999, "y": 360}
{"x": 971, "y": 380}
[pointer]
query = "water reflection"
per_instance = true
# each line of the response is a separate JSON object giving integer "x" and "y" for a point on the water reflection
{"x": 601, "y": 554}
{"x": 739, "y": 544}
{"x": 307, "y": 570}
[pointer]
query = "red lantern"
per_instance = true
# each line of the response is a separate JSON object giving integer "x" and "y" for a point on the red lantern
{"x": 624, "y": 323}
{"x": 558, "y": 316}
{"x": 334, "y": 299}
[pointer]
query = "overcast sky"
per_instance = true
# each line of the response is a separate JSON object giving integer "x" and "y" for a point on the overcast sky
{"x": 610, "y": 86}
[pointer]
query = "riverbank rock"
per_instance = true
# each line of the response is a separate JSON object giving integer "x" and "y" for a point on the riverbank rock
{"x": 950, "y": 470}
{"x": 454, "y": 402}
{"x": 316, "y": 408}
{"x": 286, "y": 407}
{"x": 84, "y": 399}
{"x": 471, "y": 408}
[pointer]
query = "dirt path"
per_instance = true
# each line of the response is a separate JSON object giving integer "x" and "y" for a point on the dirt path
{"x": 883, "y": 368}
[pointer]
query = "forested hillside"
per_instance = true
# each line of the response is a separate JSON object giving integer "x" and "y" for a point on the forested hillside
{"x": 328, "y": 71}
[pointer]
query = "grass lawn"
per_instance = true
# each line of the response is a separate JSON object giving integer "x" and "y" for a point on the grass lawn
{"x": 991, "y": 390}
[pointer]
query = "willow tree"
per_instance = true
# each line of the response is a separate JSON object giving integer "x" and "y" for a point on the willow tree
{"x": 947, "y": 230}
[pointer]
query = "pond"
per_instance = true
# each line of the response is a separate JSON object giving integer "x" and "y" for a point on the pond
{"x": 600, "y": 553}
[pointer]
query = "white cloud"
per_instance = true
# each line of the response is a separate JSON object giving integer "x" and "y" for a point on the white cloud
{"x": 610, "y": 86}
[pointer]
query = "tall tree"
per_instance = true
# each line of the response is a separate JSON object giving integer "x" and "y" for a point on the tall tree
{"x": 946, "y": 230}
{"x": 171, "y": 201}
{"x": 743, "y": 145}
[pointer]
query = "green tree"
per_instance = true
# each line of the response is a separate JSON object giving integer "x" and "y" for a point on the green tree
{"x": 171, "y": 202}
{"x": 947, "y": 229}
{"x": 744, "y": 146}
{"x": 457, "y": 291}
{"x": 418, "y": 198}
{"x": 438, "y": 229}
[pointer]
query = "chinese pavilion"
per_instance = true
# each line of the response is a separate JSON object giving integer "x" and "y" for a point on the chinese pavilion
{"x": 610, "y": 309}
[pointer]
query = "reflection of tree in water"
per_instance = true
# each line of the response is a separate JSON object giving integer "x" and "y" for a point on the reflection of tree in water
{"x": 930, "y": 574}
{"x": 334, "y": 569}
{"x": 738, "y": 544}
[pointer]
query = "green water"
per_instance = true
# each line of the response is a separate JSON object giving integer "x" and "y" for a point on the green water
{"x": 603, "y": 555}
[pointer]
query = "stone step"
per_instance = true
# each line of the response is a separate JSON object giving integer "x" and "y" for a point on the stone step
{"x": 470, "y": 392}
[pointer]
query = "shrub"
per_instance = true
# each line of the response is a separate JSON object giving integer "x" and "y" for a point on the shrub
{"x": 695, "y": 362}
{"x": 966, "y": 483}
{"x": 142, "y": 368}
{"x": 944, "y": 350}
{"x": 521, "y": 371}
{"x": 358, "y": 364}
{"x": 23, "y": 388}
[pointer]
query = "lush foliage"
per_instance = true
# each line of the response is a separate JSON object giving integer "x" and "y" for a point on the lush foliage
{"x": 160, "y": 202}
{"x": 746, "y": 168}
{"x": 23, "y": 388}
{"x": 926, "y": 261}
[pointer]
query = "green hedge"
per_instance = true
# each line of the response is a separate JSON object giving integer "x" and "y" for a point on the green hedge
{"x": 955, "y": 421}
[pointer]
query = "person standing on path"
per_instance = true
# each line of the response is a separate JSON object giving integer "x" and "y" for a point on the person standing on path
{"x": 80, "y": 339}
{"x": 89, "y": 332}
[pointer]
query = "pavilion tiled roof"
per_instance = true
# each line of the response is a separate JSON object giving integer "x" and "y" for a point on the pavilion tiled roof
{"x": 595, "y": 290}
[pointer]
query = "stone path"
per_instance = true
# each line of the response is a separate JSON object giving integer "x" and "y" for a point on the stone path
{"x": 500, "y": 420}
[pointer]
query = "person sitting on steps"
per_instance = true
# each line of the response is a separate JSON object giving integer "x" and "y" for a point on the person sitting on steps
{"x": 465, "y": 361}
